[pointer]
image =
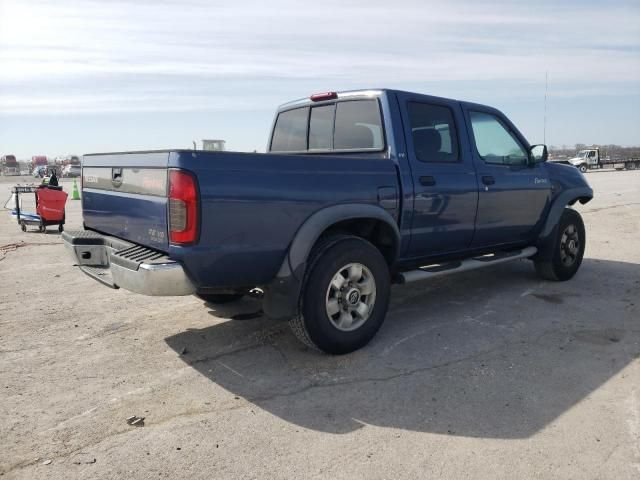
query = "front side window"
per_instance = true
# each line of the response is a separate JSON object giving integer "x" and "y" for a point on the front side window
{"x": 434, "y": 133}
{"x": 494, "y": 143}
{"x": 290, "y": 131}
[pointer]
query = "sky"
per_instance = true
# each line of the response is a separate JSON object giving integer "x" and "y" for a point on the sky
{"x": 90, "y": 76}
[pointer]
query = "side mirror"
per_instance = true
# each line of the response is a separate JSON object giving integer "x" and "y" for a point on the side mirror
{"x": 538, "y": 153}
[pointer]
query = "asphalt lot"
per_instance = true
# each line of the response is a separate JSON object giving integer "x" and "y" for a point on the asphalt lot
{"x": 487, "y": 374}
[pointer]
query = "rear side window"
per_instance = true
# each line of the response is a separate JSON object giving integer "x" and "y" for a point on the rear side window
{"x": 321, "y": 128}
{"x": 290, "y": 132}
{"x": 358, "y": 126}
{"x": 494, "y": 142}
{"x": 435, "y": 138}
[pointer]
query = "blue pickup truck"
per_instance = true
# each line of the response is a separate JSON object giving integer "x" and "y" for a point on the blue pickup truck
{"x": 358, "y": 190}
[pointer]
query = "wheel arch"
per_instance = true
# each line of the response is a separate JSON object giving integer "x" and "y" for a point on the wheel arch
{"x": 566, "y": 198}
{"x": 362, "y": 220}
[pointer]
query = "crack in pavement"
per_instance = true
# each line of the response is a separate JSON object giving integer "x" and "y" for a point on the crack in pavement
{"x": 594, "y": 210}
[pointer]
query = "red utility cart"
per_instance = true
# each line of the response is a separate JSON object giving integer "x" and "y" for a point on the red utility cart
{"x": 50, "y": 202}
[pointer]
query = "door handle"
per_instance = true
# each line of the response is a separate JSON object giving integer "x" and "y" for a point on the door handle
{"x": 488, "y": 179}
{"x": 427, "y": 181}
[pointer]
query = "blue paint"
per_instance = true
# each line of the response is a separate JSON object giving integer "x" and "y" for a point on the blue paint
{"x": 252, "y": 205}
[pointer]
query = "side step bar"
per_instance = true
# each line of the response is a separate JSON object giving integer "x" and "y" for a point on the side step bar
{"x": 437, "y": 270}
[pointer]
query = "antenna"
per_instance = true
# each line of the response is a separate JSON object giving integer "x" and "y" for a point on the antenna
{"x": 546, "y": 88}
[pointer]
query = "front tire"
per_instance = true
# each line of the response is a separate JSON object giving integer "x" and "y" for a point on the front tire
{"x": 583, "y": 168}
{"x": 566, "y": 249}
{"x": 345, "y": 296}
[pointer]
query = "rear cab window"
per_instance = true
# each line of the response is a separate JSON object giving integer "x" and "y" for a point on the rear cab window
{"x": 290, "y": 131}
{"x": 321, "y": 127}
{"x": 344, "y": 126}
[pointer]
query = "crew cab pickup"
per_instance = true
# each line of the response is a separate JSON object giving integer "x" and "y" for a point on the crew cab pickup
{"x": 358, "y": 190}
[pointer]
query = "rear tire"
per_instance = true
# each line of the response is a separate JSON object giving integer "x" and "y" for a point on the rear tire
{"x": 345, "y": 295}
{"x": 565, "y": 250}
{"x": 220, "y": 298}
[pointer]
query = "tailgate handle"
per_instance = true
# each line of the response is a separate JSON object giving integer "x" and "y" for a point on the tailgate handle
{"x": 116, "y": 177}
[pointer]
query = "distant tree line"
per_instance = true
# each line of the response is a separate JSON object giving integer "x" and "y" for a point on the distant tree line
{"x": 611, "y": 151}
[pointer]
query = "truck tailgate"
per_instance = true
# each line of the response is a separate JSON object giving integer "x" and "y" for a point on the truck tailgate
{"x": 125, "y": 195}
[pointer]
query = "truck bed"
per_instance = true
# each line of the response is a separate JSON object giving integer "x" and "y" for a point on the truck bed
{"x": 250, "y": 204}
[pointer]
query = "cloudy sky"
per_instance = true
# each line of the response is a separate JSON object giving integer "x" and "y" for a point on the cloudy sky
{"x": 81, "y": 76}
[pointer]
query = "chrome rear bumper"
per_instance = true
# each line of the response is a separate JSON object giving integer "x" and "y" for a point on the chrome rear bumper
{"x": 120, "y": 264}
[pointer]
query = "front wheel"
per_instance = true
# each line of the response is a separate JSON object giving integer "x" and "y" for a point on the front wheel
{"x": 583, "y": 168}
{"x": 565, "y": 250}
{"x": 345, "y": 296}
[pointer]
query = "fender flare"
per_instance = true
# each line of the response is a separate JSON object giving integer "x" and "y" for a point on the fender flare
{"x": 567, "y": 197}
{"x": 282, "y": 294}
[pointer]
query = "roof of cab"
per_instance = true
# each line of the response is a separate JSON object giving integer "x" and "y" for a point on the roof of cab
{"x": 371, "y": 93}
{"x": 364, "y": 93}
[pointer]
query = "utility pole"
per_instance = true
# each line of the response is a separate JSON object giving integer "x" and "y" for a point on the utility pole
{"x": 546, "y": 88}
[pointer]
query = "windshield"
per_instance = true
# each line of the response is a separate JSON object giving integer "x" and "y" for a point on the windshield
{"x": 582, "y": 153}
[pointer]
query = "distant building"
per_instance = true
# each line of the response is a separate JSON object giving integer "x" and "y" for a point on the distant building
{"x": 213, "y": 145}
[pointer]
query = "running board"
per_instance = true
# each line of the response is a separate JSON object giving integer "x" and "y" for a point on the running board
{"x": 473, "y": 263}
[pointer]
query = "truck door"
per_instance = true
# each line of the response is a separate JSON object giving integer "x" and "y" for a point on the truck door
{"x": 444, "y": 179}
{"x": 514, "y": 193}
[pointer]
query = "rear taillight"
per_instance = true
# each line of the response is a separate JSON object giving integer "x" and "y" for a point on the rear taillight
{"x": 183, "y": 207}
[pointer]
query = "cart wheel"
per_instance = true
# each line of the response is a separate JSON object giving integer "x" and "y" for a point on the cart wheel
{"x": 23, "y": 227}
{"x": 60, "y": 228}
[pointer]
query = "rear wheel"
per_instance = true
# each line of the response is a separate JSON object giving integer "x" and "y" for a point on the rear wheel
{"x": 345, "y": 296}
{"x": 566, "y": 248}
{"x": 220, "y": 298}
